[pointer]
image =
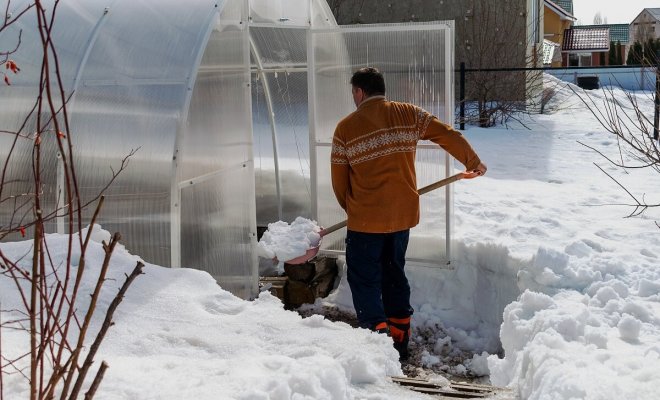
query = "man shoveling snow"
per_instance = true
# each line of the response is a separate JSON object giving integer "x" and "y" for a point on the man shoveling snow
{"x": 373, "y": 178}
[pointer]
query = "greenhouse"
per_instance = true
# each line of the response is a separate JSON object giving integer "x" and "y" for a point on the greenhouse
{"x": 230, "y": 107}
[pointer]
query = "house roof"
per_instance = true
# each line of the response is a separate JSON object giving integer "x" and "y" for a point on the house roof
{"x": 655, "y": 13}
{"x": 566, "y": 5}
{"x": 618, "y": 32}
{"x": 563, "y": 14}
{"x": 586, "y": 39}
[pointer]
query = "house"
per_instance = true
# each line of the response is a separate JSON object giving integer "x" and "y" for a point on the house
{"x": 619, "y": 37}
{"x": 645, "y": 26}
{"x": 556, "y": 20}
{"x": 585, "y": 46}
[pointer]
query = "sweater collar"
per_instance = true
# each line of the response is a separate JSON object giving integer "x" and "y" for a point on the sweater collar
{"x": 371, "y": 100}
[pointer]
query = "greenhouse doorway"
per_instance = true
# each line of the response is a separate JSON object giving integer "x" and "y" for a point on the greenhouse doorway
{"x": 417, "y": 61}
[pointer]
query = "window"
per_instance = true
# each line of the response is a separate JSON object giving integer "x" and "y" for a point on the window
{"x": 579, "y": 60}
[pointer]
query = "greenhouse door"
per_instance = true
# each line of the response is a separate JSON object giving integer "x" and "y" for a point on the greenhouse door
{"x": 417, "y": 63}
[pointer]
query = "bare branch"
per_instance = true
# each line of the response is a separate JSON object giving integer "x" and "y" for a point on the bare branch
{"x": 632, "y": 129}
{"x": 42, "y": 283}
{"x": 90, "y": 311}
{"x": 97, "y": 381}
{"x": 107, "y": 323}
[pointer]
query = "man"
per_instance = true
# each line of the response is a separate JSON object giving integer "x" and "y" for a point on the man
{"x": 373, "y": 177}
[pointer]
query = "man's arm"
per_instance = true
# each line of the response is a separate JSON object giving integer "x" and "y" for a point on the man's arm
{"x": 451, "y": 140}
{"x": 339, "y": 170}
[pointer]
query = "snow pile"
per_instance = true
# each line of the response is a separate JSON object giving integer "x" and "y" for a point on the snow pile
{"x": 579, "y": 346}
{"x": 178, "y": 335}
{"x": 99, "y": 234}
{"x": 287, "y": 242}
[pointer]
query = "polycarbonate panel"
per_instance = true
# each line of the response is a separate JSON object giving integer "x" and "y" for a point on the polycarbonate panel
{"x": 429, "y": 238}
{"x": 289, "y": 99}
{"x": 216, "y": 171}
{"x": 17, "y": 151}
{"x": 280, "y": 47}
{"x": 80, "y": 19}
{"x": 321, "y": 14}
{"x": 18, "y": 99}
{"x": 129, "y": 92}
{"x": 285, "y": 12}
{"x": 216, "y": 135}
{"x": 17, "y": 206}
{"x": 416, "y": 61}
{"x": 232, "y": 12}
{"x": 111, "y": 121}
{"x": 218, "y": 230}
{"x": 138, "y": 103}
{"x": 142, "y": 218}
{"x": 332, "y": 68}
{"x": 264, "y": 159}
{"x": 146, "y": 40}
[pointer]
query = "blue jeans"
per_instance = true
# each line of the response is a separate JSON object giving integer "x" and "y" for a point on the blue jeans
{"x": 375, "y": 263}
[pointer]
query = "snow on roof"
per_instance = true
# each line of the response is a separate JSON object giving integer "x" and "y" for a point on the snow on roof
{"x": 586, "y": 39}
{"x": 618, "y": 32}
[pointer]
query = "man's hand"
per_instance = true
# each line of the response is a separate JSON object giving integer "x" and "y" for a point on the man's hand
{"x": 480, "y": 170}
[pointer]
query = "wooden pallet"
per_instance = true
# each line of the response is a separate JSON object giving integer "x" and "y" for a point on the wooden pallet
{"x": 454, "y": 391}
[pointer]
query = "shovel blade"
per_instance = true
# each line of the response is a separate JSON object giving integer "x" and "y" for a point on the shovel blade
{"x": 309, "y": 254}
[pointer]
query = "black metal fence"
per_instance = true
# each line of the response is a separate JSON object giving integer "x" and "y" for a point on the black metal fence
{"x": 463, "y": 73}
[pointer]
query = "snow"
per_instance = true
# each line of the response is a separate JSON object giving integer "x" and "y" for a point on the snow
{"x": 178, "y": 335}
{"x": 553, "y": 293}
{"x": 286, "y": 242}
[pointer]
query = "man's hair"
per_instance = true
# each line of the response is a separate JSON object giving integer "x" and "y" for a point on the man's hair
{"x": 370, "y": 80}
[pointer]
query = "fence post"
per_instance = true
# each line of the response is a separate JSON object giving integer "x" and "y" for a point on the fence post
{"x": 656, "y": 115}
{"x": 461, "y": 95}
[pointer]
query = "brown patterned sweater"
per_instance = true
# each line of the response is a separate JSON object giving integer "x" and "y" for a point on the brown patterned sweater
{"x": 373, "y": 162}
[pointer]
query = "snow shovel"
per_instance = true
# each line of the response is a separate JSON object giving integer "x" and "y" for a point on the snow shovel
{"x": 313, "y": 251}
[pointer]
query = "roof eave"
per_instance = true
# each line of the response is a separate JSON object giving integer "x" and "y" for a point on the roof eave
{"x": 563, "y": 14}
{"x": 594, "y": 50}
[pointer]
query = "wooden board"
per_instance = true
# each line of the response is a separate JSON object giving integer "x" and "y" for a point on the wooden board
{"x": 455, "y": 390}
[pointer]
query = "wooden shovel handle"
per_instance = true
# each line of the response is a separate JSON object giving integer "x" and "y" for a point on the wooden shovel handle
{"x": 441, "y": 183}
{"x": 421, "y": 191}
{"x": 333, "y": 228}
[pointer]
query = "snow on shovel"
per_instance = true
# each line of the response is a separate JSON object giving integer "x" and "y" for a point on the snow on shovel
{"x": 313, "y": 251}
